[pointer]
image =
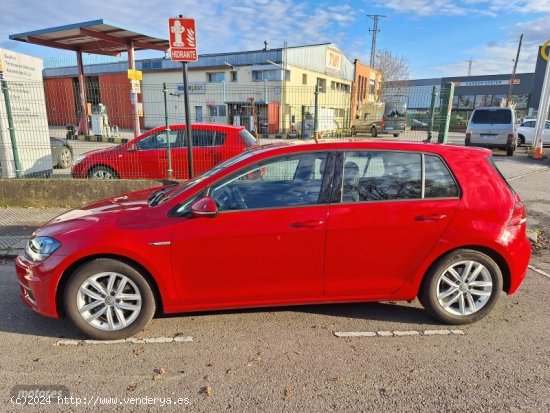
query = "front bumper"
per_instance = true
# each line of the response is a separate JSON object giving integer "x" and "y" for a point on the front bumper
{"x": 38, "y": 284}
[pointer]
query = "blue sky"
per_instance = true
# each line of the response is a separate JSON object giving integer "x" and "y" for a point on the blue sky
{"x": 435, "y": 36}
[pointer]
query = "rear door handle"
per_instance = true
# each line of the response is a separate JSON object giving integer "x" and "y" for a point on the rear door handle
{"x": 310, "y": 223}
{"x": 434, "y": 217}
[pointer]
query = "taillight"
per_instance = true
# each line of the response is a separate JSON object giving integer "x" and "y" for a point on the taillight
{"x": 510, "y": 138}
{"x": 518, "y": 215}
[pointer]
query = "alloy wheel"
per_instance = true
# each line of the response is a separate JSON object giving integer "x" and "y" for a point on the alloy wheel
{"x": 464, "y": 288}
{"x": 109, "y": 301}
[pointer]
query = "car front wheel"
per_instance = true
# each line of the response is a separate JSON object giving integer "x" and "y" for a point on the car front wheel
{"x": 65, "y": 158}
{"x": 462, "y": 287}
{"x": 108, "y": 299}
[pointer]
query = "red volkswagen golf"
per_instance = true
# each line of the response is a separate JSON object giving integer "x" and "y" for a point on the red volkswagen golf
{"x": 146, "y": 157}
{"x": 288, "y": 225}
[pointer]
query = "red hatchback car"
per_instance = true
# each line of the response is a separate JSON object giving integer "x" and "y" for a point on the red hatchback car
{"x": 146, "y": 156}
{"x": 288, "y": 225}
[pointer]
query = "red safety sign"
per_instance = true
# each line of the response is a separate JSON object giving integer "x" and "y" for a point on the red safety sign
{"x": 183, "y": 39}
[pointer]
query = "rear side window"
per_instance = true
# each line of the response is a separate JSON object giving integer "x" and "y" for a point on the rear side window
{"x": 492, "y": 116}
{"x": 439, "y": 183}
{"x": 247, "y": 137}
{"x": 202, "y": 137}
{"x": 381, "y": 176}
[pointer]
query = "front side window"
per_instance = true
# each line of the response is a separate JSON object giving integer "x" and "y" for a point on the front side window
{"x": 288, "y": 181}
{"x": 159, "y": 141}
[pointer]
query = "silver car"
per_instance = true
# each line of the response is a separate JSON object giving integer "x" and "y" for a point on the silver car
{"x": 493, "y": 128}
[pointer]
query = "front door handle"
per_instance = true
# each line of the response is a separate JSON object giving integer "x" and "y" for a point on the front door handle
{"x": 433, "y": 217}
{"x": 310, "y": 223}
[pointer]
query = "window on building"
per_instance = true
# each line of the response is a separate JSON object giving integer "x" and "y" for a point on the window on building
{"x": 287, "y": 75}
{"x": 372, "y": 86}
{"x": 322, "y": 84}
{"x": 216, "y": 77}
{"x": 217, "y": 110}
{"x": 304, "y": 79}
{"x": 259, "y": 75}
{"x": 233, "y": 75}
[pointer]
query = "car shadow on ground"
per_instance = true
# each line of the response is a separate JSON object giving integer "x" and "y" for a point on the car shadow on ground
{"x": 19, "y": 319}
{"x": 402, "y": 313}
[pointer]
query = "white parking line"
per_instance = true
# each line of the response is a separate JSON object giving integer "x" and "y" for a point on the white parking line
{"x": 541, "y": 272}
{"x": 385, "y": 333}
{"x": 131, "y": 340}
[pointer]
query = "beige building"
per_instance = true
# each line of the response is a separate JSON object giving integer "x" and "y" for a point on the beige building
{"x": 277, "y": 84}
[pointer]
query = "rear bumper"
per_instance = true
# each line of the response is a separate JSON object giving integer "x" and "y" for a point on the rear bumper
{"x": 519, "y": 262}
{"x": 487, "y": 145}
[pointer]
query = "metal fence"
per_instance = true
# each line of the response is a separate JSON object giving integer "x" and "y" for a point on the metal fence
{"x": 49, "y": 128}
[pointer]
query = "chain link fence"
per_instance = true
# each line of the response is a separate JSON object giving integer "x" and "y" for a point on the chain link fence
{"x": 56, "y": 129}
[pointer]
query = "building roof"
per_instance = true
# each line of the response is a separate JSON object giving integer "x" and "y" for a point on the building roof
{"x": 95, "y": 36}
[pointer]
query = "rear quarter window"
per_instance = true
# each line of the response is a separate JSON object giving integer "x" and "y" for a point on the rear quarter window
{"x": 439, "y": 182}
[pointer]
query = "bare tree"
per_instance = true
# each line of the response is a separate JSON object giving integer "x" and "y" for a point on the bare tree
{"x": 395, "y": 72}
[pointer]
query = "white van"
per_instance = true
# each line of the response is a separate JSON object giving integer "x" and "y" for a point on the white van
{"x": 493, "y": 128}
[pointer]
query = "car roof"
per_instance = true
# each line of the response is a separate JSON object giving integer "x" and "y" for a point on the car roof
{"x": 420, "y": 147}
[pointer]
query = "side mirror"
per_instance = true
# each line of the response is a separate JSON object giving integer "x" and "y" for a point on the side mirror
{"x": 131, "y": 148}
{"x": 204, "y": 207}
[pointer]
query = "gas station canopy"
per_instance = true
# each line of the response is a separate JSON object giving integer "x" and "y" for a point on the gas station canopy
{"x": 96, "y": 36}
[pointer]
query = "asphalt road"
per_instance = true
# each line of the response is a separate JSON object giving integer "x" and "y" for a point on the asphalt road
{"x": 289, "y": 359}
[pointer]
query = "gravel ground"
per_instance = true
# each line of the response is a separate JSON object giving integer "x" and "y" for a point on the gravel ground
{"x": 289, "y": 359}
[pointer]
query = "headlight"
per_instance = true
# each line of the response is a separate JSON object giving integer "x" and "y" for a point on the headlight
{"x": 78, "y": 159}
{"x": 40, "y": 248}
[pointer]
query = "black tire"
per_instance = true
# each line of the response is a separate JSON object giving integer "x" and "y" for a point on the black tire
{"x": 510, "y": 152}
{"x": 428, "y": 295}
{"x": 374, "y": 132}
{"x": 107, "y": 265}
{"x": 521, "y": 140}
{"x": 65, "y": 159}
{"x": 102, "y": 172}
{"x": 396, "y": 135}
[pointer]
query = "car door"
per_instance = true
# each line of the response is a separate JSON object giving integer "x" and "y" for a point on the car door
{"x": 386, "y": 223}
{"x": 266, "y": 245}
{"x": 152, "y": 154}
{"x": 206, "y": 140}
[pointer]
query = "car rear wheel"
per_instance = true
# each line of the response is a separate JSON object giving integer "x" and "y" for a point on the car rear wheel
{"x": 102, "y": 172}
{"x": 462, "y": 287}
{"x": 108, "y": 299}
{"x": 374, "y": 132}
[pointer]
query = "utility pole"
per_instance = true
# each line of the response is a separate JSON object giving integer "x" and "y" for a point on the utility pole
{"x": 509, "y": 97}
{"x": 374, "y": 32}
{"x": 470, "y": 61}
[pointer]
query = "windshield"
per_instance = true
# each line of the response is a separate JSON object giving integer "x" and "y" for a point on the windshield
{"x": 396, "y": 110}
{"x": 492, "y": 116}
